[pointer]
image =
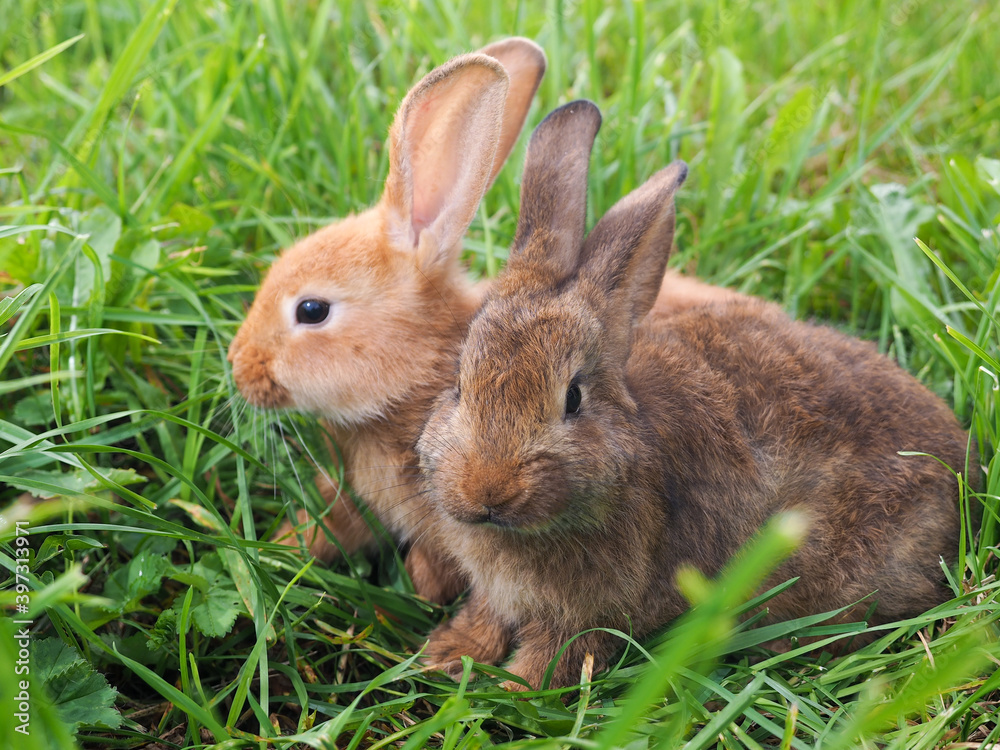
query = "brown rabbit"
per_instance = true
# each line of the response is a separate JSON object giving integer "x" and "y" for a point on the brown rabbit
{"x": 586, "y": 452}
{"x": 360, "y": 322}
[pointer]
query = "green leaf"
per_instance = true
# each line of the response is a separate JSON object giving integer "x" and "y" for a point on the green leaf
{"x": 104, "y": 228}
{"x": 897, "y": 219}
{"x": 146, "y": 255}
{"x": 243, "y": 580}
{"x": 53, "y": 542}
{"x": 55, "y": 657}
{"x": 81, "y": 696}
{"x": 10, "y": 305}
{"x": 74, "y": 482}
{"x": 216, "y": 602}
{"x": 216, "y": 613}
{"x": 899, "y": 216}
{"x": 974, "y": 348}
{"x": 34, "y": 410}
{"x": 140, "y": 578}
{"x": 37, "y": 60}
{"x": 80, "y": 333}
{"x": 956, "y": 281}
{"x": 792, "y": 121}
{"x": 163, "y": 631}
{"x": 200, "y": 515}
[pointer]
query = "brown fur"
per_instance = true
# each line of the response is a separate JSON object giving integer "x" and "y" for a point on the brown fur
{"x": 695, "y": 426}
{"x": 402, "y": 304}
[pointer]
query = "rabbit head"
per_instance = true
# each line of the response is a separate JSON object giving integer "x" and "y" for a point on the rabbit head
{"x": 351, "y": 319}
{"x": 541, "y": 422}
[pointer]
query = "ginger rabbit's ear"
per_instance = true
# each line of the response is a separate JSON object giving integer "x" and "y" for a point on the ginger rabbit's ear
{"x": 525, "y": 64}
{"x": 553, "y": 198}
{"x": 442, "y": 147}
{"x": 626, "y": 253}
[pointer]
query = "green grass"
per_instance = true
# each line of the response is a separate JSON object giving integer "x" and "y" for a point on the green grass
{"x": 156, "y": 156}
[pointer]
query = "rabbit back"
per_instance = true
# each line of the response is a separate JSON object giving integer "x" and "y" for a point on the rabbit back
{"x": 815, "y": 420}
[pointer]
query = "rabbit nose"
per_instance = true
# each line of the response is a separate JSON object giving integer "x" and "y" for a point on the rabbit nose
{"x": 497, "y": 504}
{"x": 496, "y": 518}
{"x": 488, "y": 490}
{"x": 494, "y": 498}
{"x": 493, "y": 514}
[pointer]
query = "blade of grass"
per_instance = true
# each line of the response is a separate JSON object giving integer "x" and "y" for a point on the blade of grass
{"x": 39, "y": 59}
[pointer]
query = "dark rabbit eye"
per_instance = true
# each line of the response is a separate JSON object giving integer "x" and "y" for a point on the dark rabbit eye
{"x": 312, "y": 311}
{"x": 573, "y": 399}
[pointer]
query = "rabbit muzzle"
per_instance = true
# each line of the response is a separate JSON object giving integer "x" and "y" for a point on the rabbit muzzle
{"x": 501, "y": 495}
{"x": 252, "y": 374}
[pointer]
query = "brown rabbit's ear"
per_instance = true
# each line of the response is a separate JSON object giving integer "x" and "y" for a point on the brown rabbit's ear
{"x": 554, "y": 196}
{"x": 525, "y": 64}
{"x": 626, "y": 252}
{"x": 441, "y": 152}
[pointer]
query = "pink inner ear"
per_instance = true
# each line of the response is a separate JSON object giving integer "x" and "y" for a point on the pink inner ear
{"x": 451, "y": 137}
{"x": 434, "y": 155}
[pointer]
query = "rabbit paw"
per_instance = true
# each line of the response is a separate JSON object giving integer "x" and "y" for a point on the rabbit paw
{"x": 468, "y": 634}
{"x": 445, "y": 654}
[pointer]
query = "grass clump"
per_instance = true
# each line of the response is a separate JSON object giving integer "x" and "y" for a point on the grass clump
{"x": 156, "y": 155}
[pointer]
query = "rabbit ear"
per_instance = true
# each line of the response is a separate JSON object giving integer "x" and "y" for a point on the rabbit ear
{"x": 554, "y": 196}
{"x": 525, "y": 64}
{"x": 626, "y": 252}
{"x": 441, "y": 152}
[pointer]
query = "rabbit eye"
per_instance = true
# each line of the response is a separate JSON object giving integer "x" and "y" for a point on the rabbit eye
{"x": 573, "y": 399}
{"x": 312, "y": 311}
